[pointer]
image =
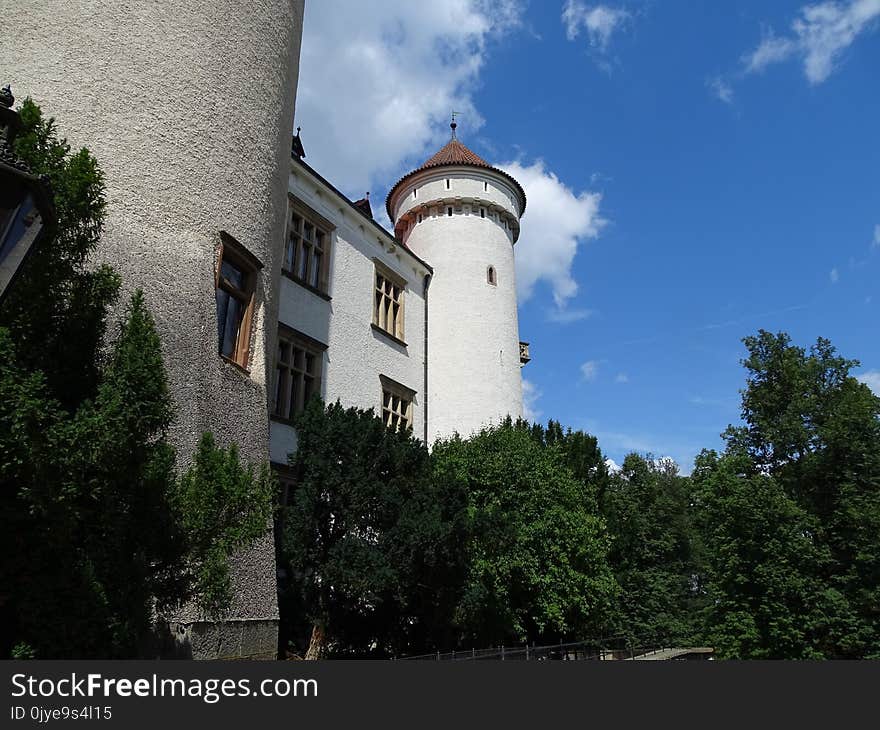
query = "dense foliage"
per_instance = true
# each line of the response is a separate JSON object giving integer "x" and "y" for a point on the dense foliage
{"x": 655, "y": 553}
{"x": 768, "y": 550}
{"x": 389, "y": 551}
{"x": 98, "y": 533}
{"x": 792, "y": 509}
{"x": 362, "y": 536}
{"x": 536, "y": 550}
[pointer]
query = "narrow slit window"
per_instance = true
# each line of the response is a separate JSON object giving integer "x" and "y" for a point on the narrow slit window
{"x": 482, "y": 212}
{"x": 449, "y": 211}
{"x": 447, "y": 183}
{"x": 492, "y": 276}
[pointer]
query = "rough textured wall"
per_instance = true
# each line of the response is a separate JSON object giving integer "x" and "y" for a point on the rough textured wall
{"x": 473, "y": 336}
{"x": 188, "y": 107}
{"x": 356, "y": 354}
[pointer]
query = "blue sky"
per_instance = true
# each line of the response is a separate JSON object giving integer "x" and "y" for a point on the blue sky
{"x": 695, "y": 171}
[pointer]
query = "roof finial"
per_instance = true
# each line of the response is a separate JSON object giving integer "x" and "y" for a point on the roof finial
{"x": 296, "y": 145}
{"x": 454, "y": 124}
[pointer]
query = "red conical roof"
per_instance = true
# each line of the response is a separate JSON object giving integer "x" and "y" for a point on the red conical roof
{"x": 455, "y": 154}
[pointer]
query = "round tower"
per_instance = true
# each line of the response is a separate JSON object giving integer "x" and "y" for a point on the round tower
{"x": 188, "y": 108}
{"x": 461, "y": 215}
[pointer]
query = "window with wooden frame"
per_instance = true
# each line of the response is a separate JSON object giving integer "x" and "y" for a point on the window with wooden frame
{"x": 397, "y": 403}
{"x": 299, "y": 366}
{"x": 235, "y": 279}
{"x": 307, "y": 251}
{"x": 388, "y": 311}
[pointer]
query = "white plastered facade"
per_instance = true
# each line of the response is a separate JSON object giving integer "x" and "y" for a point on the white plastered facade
{"x": 357, "y": 353}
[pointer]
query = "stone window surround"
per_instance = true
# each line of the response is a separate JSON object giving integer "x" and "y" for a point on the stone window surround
{"x": 396, "y": 403}
{"x": 381, "y": 297}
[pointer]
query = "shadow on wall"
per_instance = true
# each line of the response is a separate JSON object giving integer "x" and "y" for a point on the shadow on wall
{"x": 171, "y": 641}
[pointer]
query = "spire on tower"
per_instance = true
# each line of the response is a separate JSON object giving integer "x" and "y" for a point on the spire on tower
{"x": 454, "y": 124}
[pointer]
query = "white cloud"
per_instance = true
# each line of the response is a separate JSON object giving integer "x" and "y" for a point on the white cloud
{"x": 599, "y": 21}
{"x": 820, "y": 33}
{"x": 556, "y": 221}
{"x": 564, "y": 315}
{"x": 720, "y": 89}
{"x": 771, "y": 50}
{"x": 377, "y": 85}
{"x": 612, "y": 466}
{"x": 374, "y": 97}
{"x": 589, "y": 370}
{"x": 621, "y": 378}
{"x": 871, "y": 378}
{"x": 876, "y": 241}
{"x": 834, "y": 275}
{"x": 531, "y": 394}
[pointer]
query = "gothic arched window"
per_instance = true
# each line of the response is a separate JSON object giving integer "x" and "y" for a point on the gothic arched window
{"x": 491, "y": 276}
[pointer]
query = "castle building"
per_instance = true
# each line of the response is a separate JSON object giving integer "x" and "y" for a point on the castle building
{"x": 269, "y": 285}
{"x": 420, "y": 326}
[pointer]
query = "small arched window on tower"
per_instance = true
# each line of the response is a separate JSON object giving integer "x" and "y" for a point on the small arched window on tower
{"x": 491, "y": 276}
{"x": 447, "y": 183}
{"x": 482, "y": 212}
{"x": 449, "y": 211}
{"x": 485, "y": 187}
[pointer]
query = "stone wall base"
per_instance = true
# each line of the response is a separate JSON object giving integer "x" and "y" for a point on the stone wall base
{"x": 241, "y": 639}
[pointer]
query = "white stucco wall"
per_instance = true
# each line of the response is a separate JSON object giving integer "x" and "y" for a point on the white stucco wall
{"x": 465, "y": 182}
{"x": 188, "y": 108}
{"x": 356, "y": 354}
{"x": 473, "y": 336}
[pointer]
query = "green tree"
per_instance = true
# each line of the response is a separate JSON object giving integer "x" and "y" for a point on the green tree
{"x": 221, "y": 506}
{"x": 765, "y": 601}
{"x": 365, "y": 539}
{"x": 581, "y": 454}
{"x": 810, "y": 446}
{"x": 96, "y": 532}
{"x": 536, "y": 549}
{"x": 86, "y": 495}
{"x": 56, "y": 313}
{"x": 648, "y": 508}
